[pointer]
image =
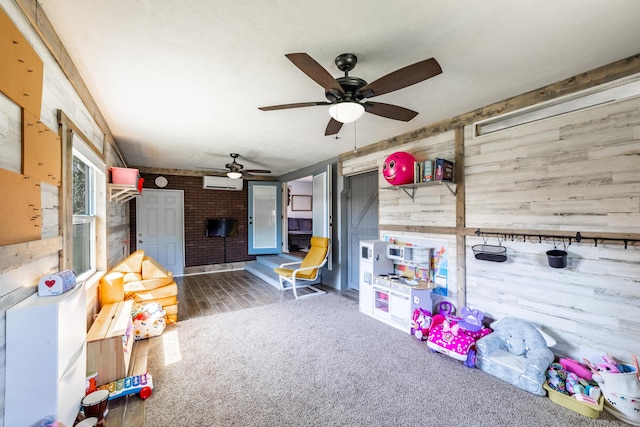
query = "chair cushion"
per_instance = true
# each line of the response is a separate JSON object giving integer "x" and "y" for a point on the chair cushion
{"x": 315, "y": 256}
{"x": 293, "y": 224}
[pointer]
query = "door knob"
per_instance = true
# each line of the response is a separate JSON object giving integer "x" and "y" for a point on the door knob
{"x": 139, "y": 241}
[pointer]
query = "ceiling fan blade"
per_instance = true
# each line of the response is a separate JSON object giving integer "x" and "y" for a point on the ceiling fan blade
{"x": 297, "y": 105}
{"x": 389, "y": 111}
{"x": 315, "y": 71}
{"x": 402, "y": 78}
{"x": 257, "y": 171}
{"x": 333, "y": 127}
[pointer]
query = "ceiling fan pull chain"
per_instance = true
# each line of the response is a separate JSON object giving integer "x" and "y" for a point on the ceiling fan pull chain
{"x": 355, "y": 137}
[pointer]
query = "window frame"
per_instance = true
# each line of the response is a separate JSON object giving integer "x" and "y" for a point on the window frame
{"x": 90, "y": 217}
{"x": 74, "y": 141}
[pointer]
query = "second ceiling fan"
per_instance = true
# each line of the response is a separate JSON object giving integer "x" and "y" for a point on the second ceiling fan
{"x": 348, "y": 96}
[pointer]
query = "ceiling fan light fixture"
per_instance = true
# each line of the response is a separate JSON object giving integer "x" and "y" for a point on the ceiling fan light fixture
{"x": 234, "y": 175}
{"x": 347, "y": 111}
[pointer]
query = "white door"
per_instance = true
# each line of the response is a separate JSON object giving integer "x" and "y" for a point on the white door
{"x": 321, "y": 207}
{"x": 160, "y": 227}
{"x": 265, "y": 217}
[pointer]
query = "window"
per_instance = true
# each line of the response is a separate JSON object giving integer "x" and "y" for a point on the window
{"x": 88, "y": 209}
{"x": 84, "y": 216}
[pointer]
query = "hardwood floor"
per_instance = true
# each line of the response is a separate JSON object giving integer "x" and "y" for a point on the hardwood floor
{"x": 200, "y": 295}
{"x": 215, "y": 293}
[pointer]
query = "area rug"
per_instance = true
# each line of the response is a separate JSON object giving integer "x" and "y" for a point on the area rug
{"x": 320, "y": 362}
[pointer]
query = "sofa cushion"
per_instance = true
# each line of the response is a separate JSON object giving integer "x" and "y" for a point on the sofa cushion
{"x": 305, "y": 224}
{"x": 293, "y": 224}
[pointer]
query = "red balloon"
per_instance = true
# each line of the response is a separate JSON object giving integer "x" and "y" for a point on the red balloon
{"x": 398, "y": 168}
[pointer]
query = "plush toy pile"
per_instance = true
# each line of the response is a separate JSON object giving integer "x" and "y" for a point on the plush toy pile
{"x": 148, "y": 320}
{"x": 144, "y": 280}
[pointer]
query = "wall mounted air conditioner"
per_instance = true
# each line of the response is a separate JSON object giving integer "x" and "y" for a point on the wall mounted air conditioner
{"x": 221, "y": 183}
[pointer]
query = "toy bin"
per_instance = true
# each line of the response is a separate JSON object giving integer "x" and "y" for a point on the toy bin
{"x": 124, "y": 176}
{"x": 582, "y": 408}
{"x": 621, "y": 406}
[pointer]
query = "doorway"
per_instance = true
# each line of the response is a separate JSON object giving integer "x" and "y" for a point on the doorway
{"x": 362, "y": 219}
{"x": 160, "y": 227}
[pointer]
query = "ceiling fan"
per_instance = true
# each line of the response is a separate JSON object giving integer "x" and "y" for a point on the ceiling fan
{"x": 348, "y": 96}
{"x": 235, "y": 170}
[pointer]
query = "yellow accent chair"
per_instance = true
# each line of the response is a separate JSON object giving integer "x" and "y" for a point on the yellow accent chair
{"x": 308, "y": 271}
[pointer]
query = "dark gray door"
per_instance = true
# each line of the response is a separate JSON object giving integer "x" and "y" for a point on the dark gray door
{"x": 362, "y": 218}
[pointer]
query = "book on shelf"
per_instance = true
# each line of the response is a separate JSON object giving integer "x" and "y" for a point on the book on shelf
{"x": 423, "y": 171}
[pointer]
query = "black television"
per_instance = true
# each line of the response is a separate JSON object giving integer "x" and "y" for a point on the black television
{"x": 222, "y": 227}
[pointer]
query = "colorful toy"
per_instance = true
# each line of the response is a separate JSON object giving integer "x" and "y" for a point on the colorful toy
{"x": 398, "y": 168}
{"x": 421, "y": 323}
{"x": 557, "y": 378}
{"x": 576, "y": 367}
{"x": 148, "y": 320}
{"x": 142, "y": 384}
{"x": 451, "y": 336}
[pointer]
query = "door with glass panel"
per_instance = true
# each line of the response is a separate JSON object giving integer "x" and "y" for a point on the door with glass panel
{"x": 265, "y": 218}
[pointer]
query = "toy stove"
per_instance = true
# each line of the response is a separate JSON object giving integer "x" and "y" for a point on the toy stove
{"x": 395, "y": 282}
{"x": 392, "y": 297}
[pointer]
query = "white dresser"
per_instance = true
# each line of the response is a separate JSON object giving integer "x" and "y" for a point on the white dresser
{"x": 46, "y": 358}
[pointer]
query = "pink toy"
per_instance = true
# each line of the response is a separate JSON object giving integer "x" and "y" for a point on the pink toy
{"x": 452, "y": 339}
{"x": 398, "y": 168}
{"x": 609, "y": 365}
{"x": 421, "y": 323}
{"x": 577, "y": 368}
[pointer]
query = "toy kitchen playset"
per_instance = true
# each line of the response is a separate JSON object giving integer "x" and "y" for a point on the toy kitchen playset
{"x": 395, "y": 279}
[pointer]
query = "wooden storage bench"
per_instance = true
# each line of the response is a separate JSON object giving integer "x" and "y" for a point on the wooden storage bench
{"x": 109, "y": 342}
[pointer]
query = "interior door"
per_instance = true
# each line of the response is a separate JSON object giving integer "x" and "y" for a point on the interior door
{"x": 321, "y": 207}
{"x": 160, "y": 227}
{"x": 362, "y": 219}
{"x": 265, "y": 218}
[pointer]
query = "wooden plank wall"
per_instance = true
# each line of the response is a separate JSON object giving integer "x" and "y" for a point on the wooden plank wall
{"x": 22, "y": 264}
{"x": 577, "y": 172}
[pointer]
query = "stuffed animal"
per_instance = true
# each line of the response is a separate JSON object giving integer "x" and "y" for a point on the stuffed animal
{"x": 148, "y": 320}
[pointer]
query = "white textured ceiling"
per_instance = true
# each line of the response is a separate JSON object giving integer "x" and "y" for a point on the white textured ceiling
{"x": 180, "y": 82}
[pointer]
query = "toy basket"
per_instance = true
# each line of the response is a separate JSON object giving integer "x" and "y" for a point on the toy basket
{"x": 490, "y": 252}
{"x": 621, "y": 406}
{"x": 582, "y": 408}
{"x": 626, "y": 383}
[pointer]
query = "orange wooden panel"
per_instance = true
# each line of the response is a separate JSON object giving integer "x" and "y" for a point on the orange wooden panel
{"x": 41, "y": 150}
{"x": 20, "y": 211}
{"x": 22, "y": 71}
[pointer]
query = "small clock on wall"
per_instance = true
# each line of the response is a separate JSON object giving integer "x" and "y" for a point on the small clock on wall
{"x": 161, "y": 181}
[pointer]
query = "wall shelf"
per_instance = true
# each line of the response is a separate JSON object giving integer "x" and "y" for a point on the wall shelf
{"x": 406, "y": 187}
{"x": 121, "y": 193}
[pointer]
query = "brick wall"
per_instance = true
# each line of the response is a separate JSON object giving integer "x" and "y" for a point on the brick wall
{"x": 199, "y": 205}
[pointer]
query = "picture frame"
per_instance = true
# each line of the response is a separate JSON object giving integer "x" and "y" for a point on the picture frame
{"x": 300, "y": 203}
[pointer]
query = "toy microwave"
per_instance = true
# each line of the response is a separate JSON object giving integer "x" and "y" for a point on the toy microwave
{"x": 399, "y": 253}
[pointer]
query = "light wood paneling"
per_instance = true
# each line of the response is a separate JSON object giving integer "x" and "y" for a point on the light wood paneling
{"x": 10, "y": 135}
{"x": 572, "y": 173}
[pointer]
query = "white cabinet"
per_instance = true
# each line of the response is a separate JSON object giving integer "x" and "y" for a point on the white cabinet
{"x": 45, "y": 358}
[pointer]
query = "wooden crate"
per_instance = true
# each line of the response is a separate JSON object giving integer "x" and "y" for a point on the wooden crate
{"x": 109, "y": 342}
